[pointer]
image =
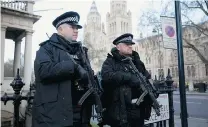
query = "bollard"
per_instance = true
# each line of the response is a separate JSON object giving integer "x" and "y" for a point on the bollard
{"x": 17, "y": 85}
{"x": 170, "y": 90}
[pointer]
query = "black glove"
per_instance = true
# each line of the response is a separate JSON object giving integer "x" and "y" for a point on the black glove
{"x": 134, "y": 81}
{"x": 123, "y": 77}
{"x": 82, "y": 74}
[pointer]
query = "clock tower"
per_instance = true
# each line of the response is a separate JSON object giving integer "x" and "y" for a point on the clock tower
{"x": 119, "y": 20}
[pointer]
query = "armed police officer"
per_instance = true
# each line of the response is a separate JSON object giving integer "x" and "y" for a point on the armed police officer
{"x": 120, "y": 86}
{"x": 60, "y": 78}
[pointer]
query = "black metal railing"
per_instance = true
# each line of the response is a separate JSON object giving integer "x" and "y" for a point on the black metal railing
{"x": 165, "y": 86}
{"x": 17, "y": 85}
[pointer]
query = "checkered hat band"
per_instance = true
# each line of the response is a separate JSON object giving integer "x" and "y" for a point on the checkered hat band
{"x": 69, "y": 19}
{"x": 126, "y": 39}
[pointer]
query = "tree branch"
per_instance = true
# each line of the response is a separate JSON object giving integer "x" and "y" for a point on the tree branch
{"x": 199, "y": 28}
{"x": 203, "y": 59}
{"x": 202, "y": 8}
{"x": 206, "y": 2}
{"x": 188, "y": 6}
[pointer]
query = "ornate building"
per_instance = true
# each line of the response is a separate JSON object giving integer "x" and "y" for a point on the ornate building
{"x": 95, "y": 38}
{"x": 158, "y": 59}
{"x": 118, "y": 21}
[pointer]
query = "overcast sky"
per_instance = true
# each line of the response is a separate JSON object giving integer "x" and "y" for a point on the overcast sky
{"x": 44, "y": 25}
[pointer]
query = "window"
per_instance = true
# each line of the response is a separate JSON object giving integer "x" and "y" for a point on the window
{"x": 173, "y": 72}
{"x": 126, "y": 27}
{"x": 189, "y": 36}
{"x": 121, "y": 26}
{"x": 160, "y": 73}
{"x": 193, "y": 72}
{"x": 150, "y": 72}
{"x": 6, "y": 124}
{"x": 206, "y": 69}
{"x": 176, "y": 70}
{"x": 189, "y": 71}
{"x": 110, "y": 28}
{"x": 160, "y": 58}
{"x": 114, "y": 24}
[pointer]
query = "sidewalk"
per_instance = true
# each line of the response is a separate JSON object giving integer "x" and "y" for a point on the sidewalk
{"x": 192, "y": 122}
{"x": 192, "y": 93}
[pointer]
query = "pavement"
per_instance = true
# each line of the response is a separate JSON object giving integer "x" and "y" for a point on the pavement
{"x": 192, "y": 93}
{"x": 192, "y": 122}
{"x": 197, "y": 108}
{"x": 197, "y": 104}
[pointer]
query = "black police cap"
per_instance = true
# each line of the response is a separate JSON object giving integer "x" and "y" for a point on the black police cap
{"x": 125, "y": 38}
{"x": 70, "y": 17}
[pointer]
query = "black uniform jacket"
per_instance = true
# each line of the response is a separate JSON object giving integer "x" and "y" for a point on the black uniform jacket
{"x": 55, "y": 73}
{"x": 117, "y": 91}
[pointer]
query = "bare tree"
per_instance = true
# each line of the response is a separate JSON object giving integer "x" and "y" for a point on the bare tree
{"x": 8, "y": 68}
{"x": 151, "y": 19}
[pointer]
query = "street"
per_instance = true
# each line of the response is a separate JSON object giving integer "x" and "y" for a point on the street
{"x": 197, "y": 107}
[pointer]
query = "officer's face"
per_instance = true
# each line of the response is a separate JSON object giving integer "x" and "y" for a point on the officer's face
{"x": 70, "y": 32}
{"x": 125, "y": 49}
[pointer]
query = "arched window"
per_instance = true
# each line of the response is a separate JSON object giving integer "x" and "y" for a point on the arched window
{"x": 160, "y": 58}
{"x": 121, "y": 26}
{"x": 173, "y": 72}
{"x": 189, "y": 71}
{"x": 162, "y": 73}
{"x": 126, "y": 27}
{"x": 150, "y": 72}
{"x": 206, "y": 69}
{"x": 193, "y": 72}
{"x": 115, "y": 26}
{"x": 176, "y": 71}
{"x": 110, "y": 28}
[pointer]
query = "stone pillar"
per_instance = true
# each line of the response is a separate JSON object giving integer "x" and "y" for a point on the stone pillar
{"x": 28, "y": 59}
{"x": 17, "y": 55}
{"x": 29, "y": 6}
{"x": 2, "y": 46}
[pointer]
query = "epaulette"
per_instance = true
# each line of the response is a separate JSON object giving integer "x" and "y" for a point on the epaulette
{"x": 43, "y": 43}
{"x": 110, "y": 55}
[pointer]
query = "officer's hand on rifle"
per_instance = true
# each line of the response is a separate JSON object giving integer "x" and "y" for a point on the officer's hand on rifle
{"x": 134, "y": 81}
{"x": 82, "y": 74}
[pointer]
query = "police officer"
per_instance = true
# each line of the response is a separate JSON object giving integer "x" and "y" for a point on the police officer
{"x": 59, "y": 77}
{"x": 121, "y": 86}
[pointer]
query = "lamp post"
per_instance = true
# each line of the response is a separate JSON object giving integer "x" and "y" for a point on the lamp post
{"x": 156, "y": 30}
{"x": 183, "y": 105}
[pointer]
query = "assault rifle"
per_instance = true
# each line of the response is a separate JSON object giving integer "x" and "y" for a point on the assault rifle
{"x": 93, "y": 86}
{"x": 146, "y": 87}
